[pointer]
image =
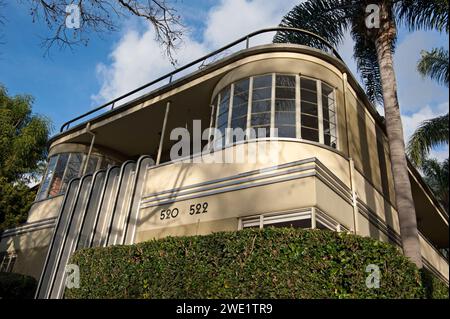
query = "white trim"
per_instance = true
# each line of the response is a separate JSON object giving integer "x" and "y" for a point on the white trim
{"x": 228, "y": 134}
{"x": 249, "y": 107}
{"x": 272, "y": 106}
{"x": 320, "y": 110}
{"x": 298, "y": 131}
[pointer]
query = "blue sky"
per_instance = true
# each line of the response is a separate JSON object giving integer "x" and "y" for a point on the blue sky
{"x": 69, "y": 83}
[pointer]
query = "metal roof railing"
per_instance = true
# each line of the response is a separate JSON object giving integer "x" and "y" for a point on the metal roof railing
{"x": 170, "y": 75}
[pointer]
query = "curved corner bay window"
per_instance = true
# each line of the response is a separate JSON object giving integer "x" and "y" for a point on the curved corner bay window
{"x": 277, "y": 105}
{"x": 63, "y": 167}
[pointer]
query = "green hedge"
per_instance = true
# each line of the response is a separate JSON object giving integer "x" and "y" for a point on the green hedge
{"x": 269, "y": 263}
{"x": 16, "y": 286}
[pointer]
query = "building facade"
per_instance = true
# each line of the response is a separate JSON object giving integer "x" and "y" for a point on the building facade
{"x": 307, "y": 150}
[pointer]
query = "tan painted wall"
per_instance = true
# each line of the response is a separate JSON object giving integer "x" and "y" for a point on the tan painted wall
{"x": 31, "y": 250}
{"x": 430, "y": 254}
{"x": 45, "y": 209}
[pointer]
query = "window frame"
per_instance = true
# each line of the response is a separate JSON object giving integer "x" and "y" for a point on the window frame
{"x": 227, "y": 137}
{"x": 316, "y": 215}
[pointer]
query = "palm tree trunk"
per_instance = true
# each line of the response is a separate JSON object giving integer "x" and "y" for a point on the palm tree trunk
{"x": 404, "y": 200}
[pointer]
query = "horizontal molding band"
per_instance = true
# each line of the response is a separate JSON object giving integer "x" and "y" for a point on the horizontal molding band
{"x": 230, "y": 189}
{"x": 30, "y": 227}
{"x": 233, "y": 183}
{"x": 373, "y": 218}
{"x": 433, "y": 269}
{"x": 233, "y": 177}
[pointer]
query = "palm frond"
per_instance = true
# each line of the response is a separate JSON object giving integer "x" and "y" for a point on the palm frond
{"x": 423, "y": 14}
{"x": 365, "y": 55}
{"x": 430, "y": 133}
{"x": 434, "y": 64}
{"x": 326, "y": 18}
{"x": 436, "y": 176}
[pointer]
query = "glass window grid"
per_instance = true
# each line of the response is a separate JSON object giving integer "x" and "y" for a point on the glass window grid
{"x": 54, "y": 161}
{"x": 327, "y": 125}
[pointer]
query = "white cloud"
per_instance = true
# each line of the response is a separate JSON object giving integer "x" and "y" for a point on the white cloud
{"x": 412, "y": 121}
{"x": 137, "y": 58}
{"x": 233, "y": 19}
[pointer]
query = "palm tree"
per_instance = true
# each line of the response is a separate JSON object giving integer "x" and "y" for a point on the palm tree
{"x": 434, "y": 64}
{"x": 436, "y": 176}
{"x": 373, "y": 51}
{"x": 433, "y": 132}
{"x": 430, "y": 133}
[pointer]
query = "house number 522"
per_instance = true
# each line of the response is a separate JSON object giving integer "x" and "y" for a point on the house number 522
{"x": 199, "y": 208}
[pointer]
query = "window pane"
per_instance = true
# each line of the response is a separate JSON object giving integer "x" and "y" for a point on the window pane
{"x": 262, "y": 81}
{"x": 283, "y": 118}
{"x": 302, "y": 223}
{"x": 285, "y": 105}
{"x": 285, "y": 93}
{"x": 92, "y": 164}
{"x": 55, "y": 187}
{"x": 240, "y": 107}
{"x": 286, "y": 131}
{"x": 241, "y": 86}
{"x": 73, "y": 168}
{"x": 261, "y": 106}
{"x": 285, "y": 80}
{"x": 260, "y": 119}
{"x": 262, "y": 94}
{"x": 310, "y": 121}
{"x": 310, "y": 134}
{"x": 308, "y": 84}
{"x": 239, "y": 111}
{"x": 308, "y": 108}
{"x": 48, "y": 177}
{"x": 262, "y": 131}
{"x": 308, "y": 96}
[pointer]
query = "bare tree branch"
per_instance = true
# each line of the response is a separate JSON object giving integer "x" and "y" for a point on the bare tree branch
{"x": 103, "y": 16}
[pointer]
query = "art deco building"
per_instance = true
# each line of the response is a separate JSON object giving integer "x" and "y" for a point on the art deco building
{"x": 116, "y": 175}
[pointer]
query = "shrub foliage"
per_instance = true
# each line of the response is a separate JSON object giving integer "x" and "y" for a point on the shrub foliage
{"x": 252, "y": 263}
{"x": 16, "y": 286}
